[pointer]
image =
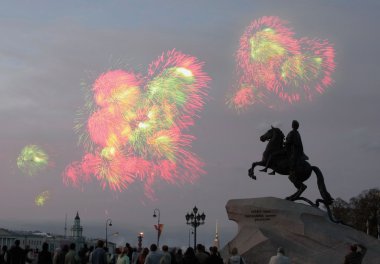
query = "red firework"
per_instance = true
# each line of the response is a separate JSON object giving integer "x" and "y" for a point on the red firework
{"x": 307, "y": 74}
{"x": 264, "y": 45}
{"x": 137, "y": 126}
{"x": 271, "y": 59}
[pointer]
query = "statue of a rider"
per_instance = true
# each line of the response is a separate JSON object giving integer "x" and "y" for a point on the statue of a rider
{"x": 293, "y": 148}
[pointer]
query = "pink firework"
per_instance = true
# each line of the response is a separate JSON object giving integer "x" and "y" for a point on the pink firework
{"x": 280, "y": 66}
{"x": 245, "y": 97}
{"x": 264, "y": 45}
{"x": 116, "y": 87}
{"x": 321, "y": 61}
{"x": 137, "y": 126}
{"x": 309, "y": 73}
{"x": 187, "y": 71}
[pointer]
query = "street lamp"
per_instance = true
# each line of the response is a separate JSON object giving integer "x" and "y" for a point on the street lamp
{"x": 190, "y": 232}
{"x": 158, "y": 225}
{"x": 108, "y": 223}
{"x": 378, "y": 223}
{"x": 195, "y": 219}
{"x": 139, "y": 239}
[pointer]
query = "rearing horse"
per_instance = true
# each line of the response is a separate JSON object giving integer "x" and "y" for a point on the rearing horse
{"x": 279, "y": 162}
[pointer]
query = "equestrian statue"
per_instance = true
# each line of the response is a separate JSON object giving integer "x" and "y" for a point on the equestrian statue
{"x": 286, "y": 157}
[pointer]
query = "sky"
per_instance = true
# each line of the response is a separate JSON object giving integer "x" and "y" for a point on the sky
{"x": 49, "y": 48}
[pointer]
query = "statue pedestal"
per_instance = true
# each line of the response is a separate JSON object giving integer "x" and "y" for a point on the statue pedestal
{"x": 306, "y": 233}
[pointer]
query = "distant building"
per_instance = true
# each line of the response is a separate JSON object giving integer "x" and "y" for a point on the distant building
{"x": 35, "y": 239}
{"x": 27, "y": 238}
{"x": 76, "y": 233}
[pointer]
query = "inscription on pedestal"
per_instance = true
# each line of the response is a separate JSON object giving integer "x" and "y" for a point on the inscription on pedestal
{"x": 261, "y": 215}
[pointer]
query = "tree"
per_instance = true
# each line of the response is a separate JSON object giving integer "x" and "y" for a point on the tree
{"x": 362, "y": 212}
{"x": 342, "y": 210}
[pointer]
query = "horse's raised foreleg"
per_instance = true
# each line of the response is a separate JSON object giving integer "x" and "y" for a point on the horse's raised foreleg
{"x": 251, "y": 171}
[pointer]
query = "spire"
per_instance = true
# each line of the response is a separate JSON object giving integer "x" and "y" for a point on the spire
{"x": 76, "y": 229}
{"x": 65, "y": 225}
{"x": 216, "y": 240}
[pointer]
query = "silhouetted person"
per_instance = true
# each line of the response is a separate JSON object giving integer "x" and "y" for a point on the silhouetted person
{"x": 71, "y": 256}
{"x": 29, "y": 255}
{"x": 172, "y": 255}
{"x": 235, "y": 258}
{"x": 99, "y": 255}
{"x": 189, "y": 256}
{"x": 166, "y": 258}
{"x": 123, "y": 257}
{"x": 16, "y": 255}
{"x": 142, "y": 256}
{"x": 201, "y": 255}
{"x": 154, "y": 256}
{"x": 130, "y": 251}
{"x": 56, "y": 254}
{"x": 45, "y": 257}
{"x": 4, "y": 250}
{"x": 62, "y": 254}
{"x": 280, "y": 258}
{"x": 82, "y": 254}
{"x": 355, "y": 256}
{"x": 179, "y": 256}
{"x": 135, "y": 255}
{"x": 214, "y": 257}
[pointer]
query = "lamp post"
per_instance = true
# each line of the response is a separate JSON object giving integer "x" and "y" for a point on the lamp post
{"x": 139, "y": 239}
{"x": 108, "y": 223}
{"x": 158, "y": 225}
{"x": 190, "y": 232}
{"x": 195, "y": 219}
{"x": 378, "y": 223}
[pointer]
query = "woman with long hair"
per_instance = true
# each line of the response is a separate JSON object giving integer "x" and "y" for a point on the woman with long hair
{"x": 142, "y": 257}
{"x": 123, "y": 257}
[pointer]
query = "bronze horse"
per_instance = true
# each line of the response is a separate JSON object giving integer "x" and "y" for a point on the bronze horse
{"x": 279, "y": 162}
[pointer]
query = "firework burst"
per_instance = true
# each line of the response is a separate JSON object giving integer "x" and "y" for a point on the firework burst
{"x": 32, "y": 160}
{"x": 136, "y": 123}
{"x": 41, "y": 198}
{"x": 277, "y": 64}
{"x": 309, "y": 73}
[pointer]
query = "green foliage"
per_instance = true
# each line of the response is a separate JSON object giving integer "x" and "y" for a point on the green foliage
{"x": 360, "y": 211}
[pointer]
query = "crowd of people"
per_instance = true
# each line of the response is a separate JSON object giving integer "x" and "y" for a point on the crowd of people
{"x": 68, "y": 254}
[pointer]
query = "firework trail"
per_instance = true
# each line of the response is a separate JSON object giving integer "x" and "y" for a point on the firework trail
{"x": 135, "y": 128}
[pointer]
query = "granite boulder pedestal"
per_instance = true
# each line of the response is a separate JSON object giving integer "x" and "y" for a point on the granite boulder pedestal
{"x": 305, "y": 232}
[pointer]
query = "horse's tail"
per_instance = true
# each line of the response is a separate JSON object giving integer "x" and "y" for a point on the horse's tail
{"x": 321, "y": 186}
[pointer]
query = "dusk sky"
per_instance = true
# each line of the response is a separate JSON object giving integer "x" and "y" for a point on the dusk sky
{"x": 48, "y": 48}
